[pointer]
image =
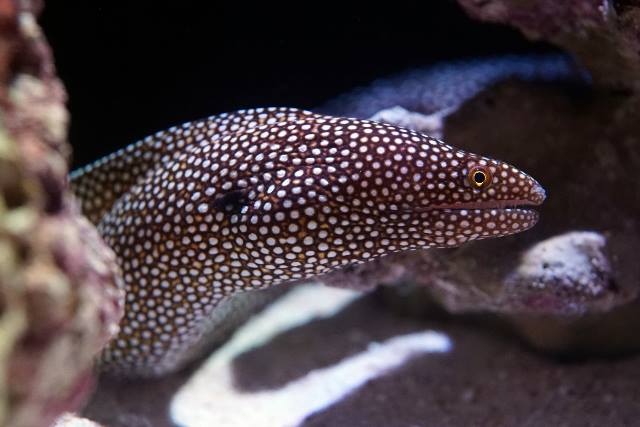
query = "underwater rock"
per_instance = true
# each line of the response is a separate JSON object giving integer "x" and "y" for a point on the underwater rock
{"x": 60, "y": 299}
{"x": 70, "y": 420}
{"x": 602, "y": 34}
{"x": 557, "y": 271}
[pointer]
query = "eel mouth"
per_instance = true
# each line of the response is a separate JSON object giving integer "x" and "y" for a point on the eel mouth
{"x": 500, "y": 205}
{"x": 501, "y": 217}
{"x": 526, "y": 205}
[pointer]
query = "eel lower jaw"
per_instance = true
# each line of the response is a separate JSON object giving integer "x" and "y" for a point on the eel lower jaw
{"x": 511, "y": 205}
{"x": 522, "y": 211}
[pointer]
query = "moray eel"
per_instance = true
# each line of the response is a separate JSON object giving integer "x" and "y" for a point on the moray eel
{"x": 245, "y": 201}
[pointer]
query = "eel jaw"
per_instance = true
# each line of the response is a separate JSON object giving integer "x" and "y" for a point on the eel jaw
{"x": 535, "y": 197}
{"x": 462, "y": 222}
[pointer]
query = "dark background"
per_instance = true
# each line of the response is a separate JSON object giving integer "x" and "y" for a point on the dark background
{"x": 134, "y": 67}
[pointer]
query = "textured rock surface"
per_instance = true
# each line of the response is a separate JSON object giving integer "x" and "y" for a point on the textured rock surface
{"x": 59, "y": 299}
{"x": 70, "y": 420}
{"x": 603, "y": 34}
{"x": 573, "y": 262}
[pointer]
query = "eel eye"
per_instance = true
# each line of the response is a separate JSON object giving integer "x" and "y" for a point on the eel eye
{"x": 479, "y": 177}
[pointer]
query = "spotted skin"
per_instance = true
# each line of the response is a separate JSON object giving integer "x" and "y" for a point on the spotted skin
{"x": 287, "y": 195}
{"x": 101, "y": 183}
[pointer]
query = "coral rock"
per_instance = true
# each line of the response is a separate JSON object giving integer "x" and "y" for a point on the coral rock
{"x": 603, "y": 34}
{"x": 60, "y": 298}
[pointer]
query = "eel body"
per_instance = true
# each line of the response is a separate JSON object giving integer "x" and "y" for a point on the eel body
{"x": 246, "y": 201}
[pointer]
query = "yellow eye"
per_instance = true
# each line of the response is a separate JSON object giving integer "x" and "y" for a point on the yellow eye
{"x": 479, "y": 177}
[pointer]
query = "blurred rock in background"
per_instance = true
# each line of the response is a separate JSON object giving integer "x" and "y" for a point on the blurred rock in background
{"x": 60, "y": 299}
